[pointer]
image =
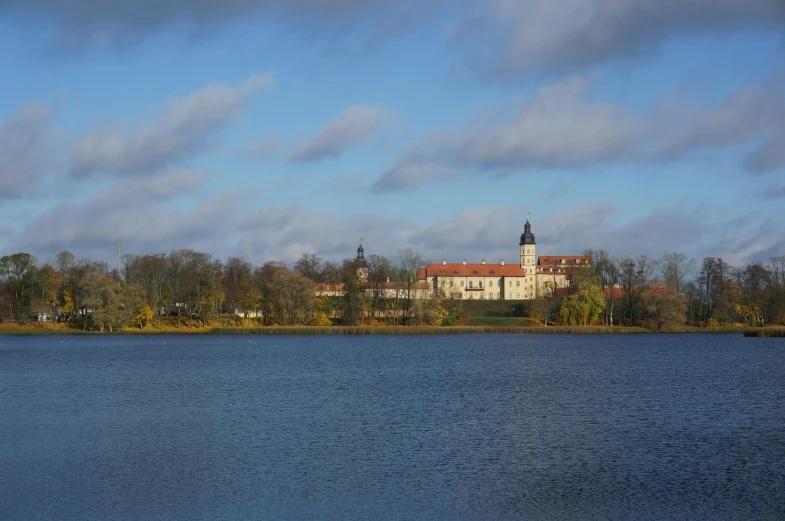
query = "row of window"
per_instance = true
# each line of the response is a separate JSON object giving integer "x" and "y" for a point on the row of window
{"x": 498, "y": 296}
{"x": 490, "y": 284}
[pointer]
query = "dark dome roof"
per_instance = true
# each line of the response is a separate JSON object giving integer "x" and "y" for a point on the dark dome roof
{"x": 527, "y": 237}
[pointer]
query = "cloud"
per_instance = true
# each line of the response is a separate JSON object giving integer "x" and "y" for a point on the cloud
{"x": 25, "y": 141}
{"x": 166, "y": 186}
{"x": 349, "y": 128}
{"x": 517, "y": 37}
{"x": 182, "y": 129}
{"x": 775, "y": 192}
{"x": 178, "y": 215}
{"x": 85, "y": 23}
{"x": 407, "y": 175}
{"x": 557, "y": 189}
{"x": 265, "y": 149}
{"x": 770, "y": 156}
{"x": 563, "y": 127}
{"x": 148, "y": 217}
{"x": 559, "y": 127}
{"x": 754, "y": 112}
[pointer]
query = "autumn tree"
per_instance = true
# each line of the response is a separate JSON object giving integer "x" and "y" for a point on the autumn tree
{"x": 20, "y": 274}
{"x": 309, "y": 265}
{"x": 546, "y": 306}
{"x": 408, "y": 262}
{"x": 663, "y": 305}
{"x": 352, "y": 301}
{"x": 675, "y": 268}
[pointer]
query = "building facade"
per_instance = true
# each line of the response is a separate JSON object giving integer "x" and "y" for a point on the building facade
{"x": 528, "y": 279}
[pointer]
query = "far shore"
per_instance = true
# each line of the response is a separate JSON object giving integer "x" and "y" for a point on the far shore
{"x": 50, "y": 329}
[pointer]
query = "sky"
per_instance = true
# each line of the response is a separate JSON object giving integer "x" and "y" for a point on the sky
{"x": 267, "y": 129}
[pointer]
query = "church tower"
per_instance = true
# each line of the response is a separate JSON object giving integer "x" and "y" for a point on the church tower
{"x": 528, "y": 246}
{"x": 361, "y": 263}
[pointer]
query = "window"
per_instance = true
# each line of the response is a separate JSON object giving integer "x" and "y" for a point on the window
{"x": 490, "y": 283}
{"x": 509, "y": 295}
{"x": 471, "y": 296}
{"x": 517, "y": 295}
{"x": 471, "y": 284}
{"x": 480, "y": 286}
{"x": 510, "y": 285}
{"x": 517, "y": 283}
{"x": 482, "y": 296}
{"x": 490, "y": 296}
{"x": 499, "y": 296}
{"x": 461, "y": 283}
{"x": 451, "y": 282}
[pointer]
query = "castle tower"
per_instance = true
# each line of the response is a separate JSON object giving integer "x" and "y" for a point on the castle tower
{"x": 528, "y": 249}
{"x": 361, "y": 263}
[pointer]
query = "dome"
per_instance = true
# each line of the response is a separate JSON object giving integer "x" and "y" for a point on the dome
{"x": 527, "y": 237}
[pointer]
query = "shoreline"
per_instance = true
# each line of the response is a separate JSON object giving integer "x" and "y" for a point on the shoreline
{"x": 13, "y": 329}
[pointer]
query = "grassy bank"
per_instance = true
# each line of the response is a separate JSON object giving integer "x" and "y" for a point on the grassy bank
{"x": 415, "y": 330}
{"x": 475, "y": 325}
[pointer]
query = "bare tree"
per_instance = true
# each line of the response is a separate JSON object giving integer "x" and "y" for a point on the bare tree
{"x": 309, "y": 265}
{"x": 675, "y": 267}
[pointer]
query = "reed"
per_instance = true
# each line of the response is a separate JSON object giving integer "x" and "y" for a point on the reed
{"x": 765, "y": 332}
{"x": 415, "y": 330}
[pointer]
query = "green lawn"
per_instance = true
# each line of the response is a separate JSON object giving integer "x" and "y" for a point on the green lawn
{"x": 495, "y": 308}
{"x": 500, "y": 321}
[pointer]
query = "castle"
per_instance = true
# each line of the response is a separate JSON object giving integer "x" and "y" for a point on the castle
{"x": 532, "y": 278}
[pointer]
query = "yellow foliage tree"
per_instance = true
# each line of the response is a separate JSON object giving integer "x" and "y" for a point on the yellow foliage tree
{"x": 68, "y": 302}
{"x": 144, "y": 315}
{"x": 320, "y": 318}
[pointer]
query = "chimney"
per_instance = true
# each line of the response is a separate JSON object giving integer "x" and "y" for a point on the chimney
{"x": 463, "y": 262}
{"x": 482, "y": 262}
{"x": 444, "y": 262}
{"x": 501, "y": 262}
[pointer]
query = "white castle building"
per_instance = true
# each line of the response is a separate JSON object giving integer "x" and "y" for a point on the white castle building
{"x": 532, "y": 277}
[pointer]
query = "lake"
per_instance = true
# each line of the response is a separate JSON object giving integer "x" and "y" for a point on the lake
{"x": 454, "y": 427}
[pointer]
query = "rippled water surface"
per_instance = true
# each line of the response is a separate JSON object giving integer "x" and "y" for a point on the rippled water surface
{"x": 496, "y": 427}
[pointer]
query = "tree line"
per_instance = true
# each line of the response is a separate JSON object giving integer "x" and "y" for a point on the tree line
{"x": 671, "y": 290}
{"x": 189, "y": 284}
{"x": 194, "y": 285}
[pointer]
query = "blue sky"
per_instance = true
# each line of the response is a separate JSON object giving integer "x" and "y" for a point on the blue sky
{"x": 270, "y": 128}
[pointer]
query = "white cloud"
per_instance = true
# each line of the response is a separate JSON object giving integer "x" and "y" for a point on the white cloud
{"x": 349, "y": 128}
{"x": 182, "y": 128}
{"x": 25, "y": 144}
{"x": 563, "y": 127}
{"x": 513, "y": 37}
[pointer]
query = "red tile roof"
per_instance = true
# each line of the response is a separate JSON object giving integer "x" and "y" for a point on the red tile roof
{"x": 562, "y": 260}
{"x": 474, "y": 270}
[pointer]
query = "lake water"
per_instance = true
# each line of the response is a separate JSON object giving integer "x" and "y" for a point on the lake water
{"x": 494, "y": 427}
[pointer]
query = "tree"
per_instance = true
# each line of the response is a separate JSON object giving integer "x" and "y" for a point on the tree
{"x": 587, "y": 303}
{"x": 309, "y": 265}
{"x": 546, "y": 306}
{"x": 607, "y": 270}
{"x": 150, "y": 272}
{"x": 663, "y": 305}
{"x": 237, "y": 278}
{"x": 21, "y": 276}
{"x": 352, "y": 302}
{"x": 408, "y": 262}
{"x": 675, "y": 267}
{"x": 733, "y": 301}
